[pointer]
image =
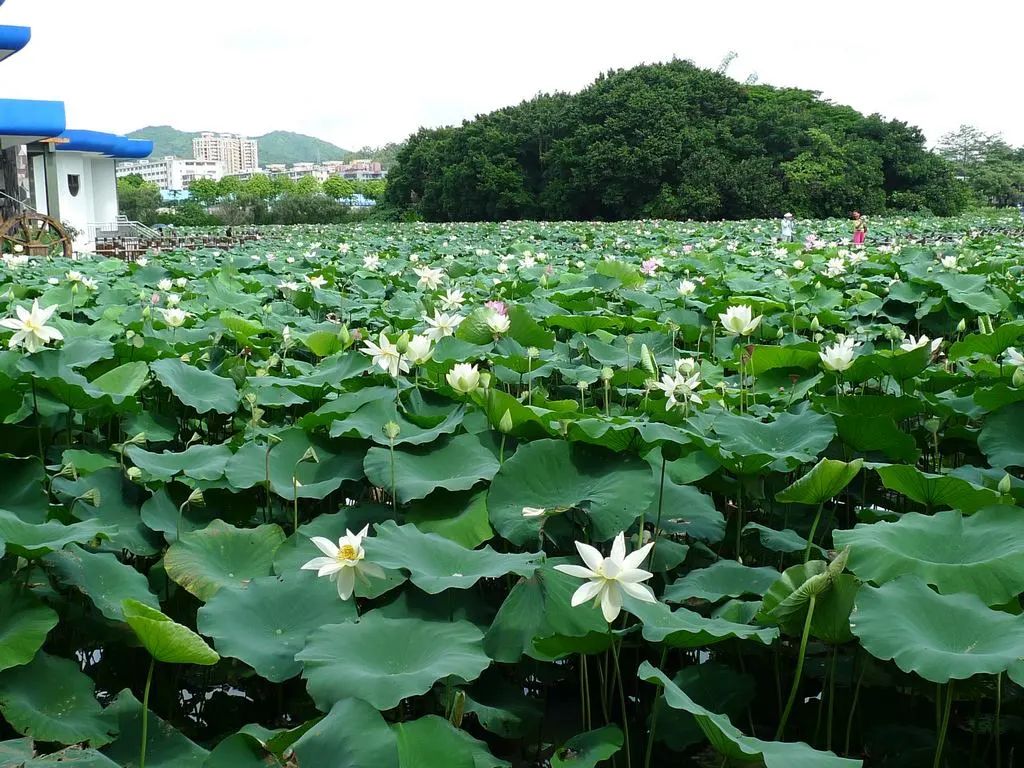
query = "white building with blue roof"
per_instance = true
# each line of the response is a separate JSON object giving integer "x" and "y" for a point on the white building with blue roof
{"x": 51, "y": 172}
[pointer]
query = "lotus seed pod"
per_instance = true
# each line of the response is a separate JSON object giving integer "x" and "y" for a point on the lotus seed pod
{"x": 391, "y": 430}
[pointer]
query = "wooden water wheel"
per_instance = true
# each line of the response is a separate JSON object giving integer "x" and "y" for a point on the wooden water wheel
{"x": 34, "y": 235}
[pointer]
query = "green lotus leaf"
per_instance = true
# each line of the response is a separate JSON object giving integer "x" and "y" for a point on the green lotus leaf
{"x": 982, "y": 554}
{"x": 51, "y": 699}
{"x": 431, "y": 741}
{"x": 989, "y": 344}
{"x": 165, "y": 639}
{"x": 613, "y": 489}
{"x": 732, "y": 744}
{"x": 166, "y": 747}
{"x": 38, "y": 539}
{"x": 24, "y": 624}
{"x": 713, "y": 685}
{"x": 266, "y": 622}
{"x": 71, "y": 757}
{"x": 767, "y": 358}
{"x": 202, "y": 390}
{"x": 119, "y": 506}
{"x": 368, "y": 421}
{"x": 1000, "y": 437}
{"x": 435, "y": 563}
{"x": 589, "y": 749}
{"x": 939, "y": 637}
{"x": 200, "y": 462}
{"x": 936, "y": 490}
{"x": 241, "y": 750}
{"x": 220, "y": 555}
{"x": 683, "y": 628}
{"x": 122, "y": 382}
{"x": 461, "y": 517}
{"x": 786, "y": 602}
{"x": 456, "y": 464}
{"x": 102, "y": 578}
{"x": 786, "y": 540}
{"x": 824, "y": 481}
{"x": 383, "y": 660}
{"x": 786, "y": 443}
{"x": 352, "y": 735}
{"x": 724, "y": 578}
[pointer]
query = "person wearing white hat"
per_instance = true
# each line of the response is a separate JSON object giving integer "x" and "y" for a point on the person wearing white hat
{"x": 787, "y": 228}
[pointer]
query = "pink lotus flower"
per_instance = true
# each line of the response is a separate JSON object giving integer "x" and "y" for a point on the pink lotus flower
{"x": 497, "y": 306}
{"x": 650, "y": 266}
{"x": 154, "y": 299}
{"x": 687, "y": 249}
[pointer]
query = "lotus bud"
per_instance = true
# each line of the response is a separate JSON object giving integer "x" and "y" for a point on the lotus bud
{"x": 961, "y": 326}
{"x": 485, "y": 380}
{"x": 458, "y": 708}
{"x": 838, "y": 565}
{"x": 345, "y": 335}
{"x": 815, "y": 324}
{"x": 391, "y": 430}
{"x": 818, "y": 337}
{"x": 647, "y": 360}
{"x": 1005, "y": 484}
{"x": 1018, "y": 377}
{"x": 403, "y": 343}
{"x": 505, "y": 425}
{"x": 780, "y": 334}
{"x": 138, "y": 439}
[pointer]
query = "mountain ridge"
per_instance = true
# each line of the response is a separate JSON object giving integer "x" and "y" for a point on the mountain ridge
{"x": 286, "y": 147}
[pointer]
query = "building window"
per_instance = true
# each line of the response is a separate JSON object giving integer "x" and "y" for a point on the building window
{"x": 74, "y": 184}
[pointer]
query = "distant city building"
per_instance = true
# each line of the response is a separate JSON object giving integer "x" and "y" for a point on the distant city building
{"x": 237, "y": 153}
{"x": 173, "y": 173}
{"x": 356, "y": 170}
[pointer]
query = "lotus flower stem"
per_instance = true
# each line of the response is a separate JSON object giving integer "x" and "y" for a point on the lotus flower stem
{"x": 39, "y": 427}
{"x": 145, "y": 712}
{"x": 944, "y": 726}
{"x": 853, "y": 708}
{"x": 799, "y": 669}
{"x": 657, "y": 524}
{"x": 622, "y": 699}
{"x": 394, "y": 491}
{"x": 654, "y": 715}
{"x": 999, "y": 711}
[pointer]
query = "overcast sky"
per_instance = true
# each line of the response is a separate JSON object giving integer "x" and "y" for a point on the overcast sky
{"x": 373, "y": 72}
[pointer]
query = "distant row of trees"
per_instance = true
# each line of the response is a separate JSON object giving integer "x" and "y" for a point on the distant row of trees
{"x": 260, "y": 199}
{"x": 992, "y": 169}
{"x": 672, "y": 141}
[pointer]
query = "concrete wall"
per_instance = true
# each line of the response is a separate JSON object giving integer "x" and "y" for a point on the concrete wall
{"x": 96, "y": 201}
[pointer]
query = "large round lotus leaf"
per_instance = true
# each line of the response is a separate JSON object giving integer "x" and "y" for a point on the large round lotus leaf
{"x": 71, "y": 757}
{"x": 166, "y": 640}
{"x": 724, "y": 578}
{"x": 38, "y": 539}
{"x": 1000, "y": 437}
{"x": 939, "y": 637}
{"x": 241, "y": 750}
{"x": 786, "y": 540}
{"x": 200, "y": 462}
{"x": 461, "y": 517}
{"x": 788, "y": 442}
{"x": 732, "y": 743}
{"x": 368, "y": 420}
{"x": 588, "y": 750}
{"x": 455, "y": 464}
{"x": 936, "y": 490}
{"x": 166, "y": 747}
{"x": 712, "y": 684}
{"x": 118, "y": 507}
{"x": 202, "y": 390}
{"x": 433, "y": 741}
{"x": 540, "y": 607}
{"x": 352, "y": 735}
{"x": 685, "y": 510}
{"x": 991, "y": 344}
{"x": 102, "y": 577}
{"x": 266, "y": 622}
{"x": 982, "y": 554}
{"x": 220, "y": 555}
{"x": 51, "y": 699}
{"x": 383, "y": 661}
{"x": 14, "y": 752}
{"x": 435, "y": 563}
{"x": 614, "y": 489}
{"x": 825, "y": 480}
{"x": 683, "y": 628}
{"x": 24, "y": 624}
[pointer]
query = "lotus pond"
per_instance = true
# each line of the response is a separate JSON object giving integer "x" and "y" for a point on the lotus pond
{"x": 471, "y": 496}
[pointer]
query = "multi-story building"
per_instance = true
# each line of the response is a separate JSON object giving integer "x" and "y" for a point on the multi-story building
{"x": 237, "y": 153}
{"x": 173, "y": 173}
{"x": 357, "y": 170}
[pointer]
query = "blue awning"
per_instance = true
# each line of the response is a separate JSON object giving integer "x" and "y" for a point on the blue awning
{"x": 13, "y": 39}
{"x": 22, "y": 121}
{"x": 108, "y": 144}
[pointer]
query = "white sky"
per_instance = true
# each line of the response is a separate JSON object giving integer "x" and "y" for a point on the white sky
{"x": 369, "y": 72}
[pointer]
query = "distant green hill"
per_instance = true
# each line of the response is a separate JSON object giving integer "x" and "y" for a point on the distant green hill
{"x": 275, "y": 147}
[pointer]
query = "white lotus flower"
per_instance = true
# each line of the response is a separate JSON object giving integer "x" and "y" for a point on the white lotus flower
{"x": 181, "y": 282}
{"x": 798, "y": 264}
{"x": 835, "y": 267}
{"x": 740, "y": 320}
{"x": 30, "y": 328}
{"x": 386, "y": 356}
{"x": 174, "y": 317}
{"x": 165, "y": 285}
{"x": 1015, "y": 358}
{"x": 912, "y": 343}
{"x": 948, "y": 262}
{"x": 608, "y": 578}
{"x": 463, "y": 377}
{"x": 74, "y": 276}
{"x": 418, "y": 349}
{"x": 686, "y": 365}
{"x": 686, "y": 287}
{"x": 497, "y": 322}
{"x": 317, "y": 281}
{"x": 288, "y": 286}
{"x": 680, "y": 389}
{"x": 441, "y": 325}
{"x": 429, "y": 278}
{"x": 344, "y": 562}
{"x": 527, "y": 261}
{"x": 371, "y": 262}
{"x": 89, "y": 283}
{"x": 142, "y": 261}
{"x": 453, "y": 299}
{"x": 838, "y": 357}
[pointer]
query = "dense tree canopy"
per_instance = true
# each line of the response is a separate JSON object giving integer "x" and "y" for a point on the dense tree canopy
{"x": 673, "y": 141}
{"x": 993, "y": 169}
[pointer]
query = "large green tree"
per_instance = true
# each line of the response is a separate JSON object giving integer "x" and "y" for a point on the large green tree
{"x": 138, "y": 199}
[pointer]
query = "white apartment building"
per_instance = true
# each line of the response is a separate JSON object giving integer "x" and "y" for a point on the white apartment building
{"x": 173, "y": 173}
{"x": 238, "y": 153}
